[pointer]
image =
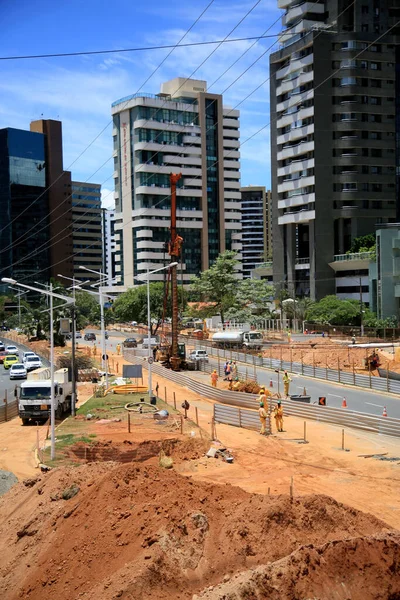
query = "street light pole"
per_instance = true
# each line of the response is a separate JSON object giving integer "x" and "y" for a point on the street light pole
{"x": 52, "y": 407}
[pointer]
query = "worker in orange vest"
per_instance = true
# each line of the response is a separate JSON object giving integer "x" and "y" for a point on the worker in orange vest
{"x": 278, "y": 415}
{"x": 263, "y": 418}
{"x": 214, "y": 378}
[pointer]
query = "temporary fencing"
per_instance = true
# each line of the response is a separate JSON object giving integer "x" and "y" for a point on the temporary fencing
{"x": 239, "y": 417}
{"x": 8, "y": 410}
{"x": 323, "y": 414}
{"x": 380, "y": 384}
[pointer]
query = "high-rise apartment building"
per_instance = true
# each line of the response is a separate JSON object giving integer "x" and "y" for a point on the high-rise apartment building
{"x": 256, "y": 228}
{"x": 87, "y": 229}
{"x": 36, "y": 235}
{"x": 187, "y": 130}
{"x": 109, "y": 247}
{"x": 335, "y": 115}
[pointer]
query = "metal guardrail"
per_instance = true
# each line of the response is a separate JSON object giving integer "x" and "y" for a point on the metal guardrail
{"x": 239, "y": 417}
{"x": 324, "y": 414}
{"x": 366, "y": 381}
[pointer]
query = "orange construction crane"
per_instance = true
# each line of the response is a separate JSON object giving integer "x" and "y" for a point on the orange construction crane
{"x": 174, "y": 249}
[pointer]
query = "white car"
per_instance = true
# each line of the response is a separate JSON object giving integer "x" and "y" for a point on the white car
{"x": 33, "y": 362}
{"x": 26, "y": 354}
{"x": 18, "y": 371}
{"x": 12, "y": 350}
{"x": 199, "y": 355}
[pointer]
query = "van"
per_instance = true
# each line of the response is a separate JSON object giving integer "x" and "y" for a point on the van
{"x": 199, "y": 355}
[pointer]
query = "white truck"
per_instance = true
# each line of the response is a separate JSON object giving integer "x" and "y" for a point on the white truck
{"x": 34, "y": 395}
{"x": 247, "y": 340}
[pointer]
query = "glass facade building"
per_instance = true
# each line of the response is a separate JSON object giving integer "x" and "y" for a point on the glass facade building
{"x": 24, "y": 205}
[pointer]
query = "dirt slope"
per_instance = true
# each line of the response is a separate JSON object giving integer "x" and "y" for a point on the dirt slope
{"x": 138, "y": 532}
{"x": 356, "y": 569}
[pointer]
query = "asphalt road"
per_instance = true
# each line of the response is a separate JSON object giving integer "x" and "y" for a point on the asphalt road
{"x": 365, "y": 401}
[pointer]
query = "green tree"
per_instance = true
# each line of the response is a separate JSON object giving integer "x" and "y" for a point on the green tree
{"x": 217, "y": 286}
{"x": 364, "y": 243}
{"x": 252, "y": 301}
{"x": 132, "y": 305}
{"x": 333, "y": 311}
{"x": 87, "y": 309}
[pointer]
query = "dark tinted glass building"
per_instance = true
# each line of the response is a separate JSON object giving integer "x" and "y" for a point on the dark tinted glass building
{"x": 22, "y": 181}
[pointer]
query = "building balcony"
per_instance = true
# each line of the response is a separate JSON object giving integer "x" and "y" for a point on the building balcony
{"x": 165, "y": 191}
{"x": 167, "y": 125}
{"x": 302, "y": 263}
{"x": 295, "y": 65}
{"x": 231, "y": 154}
{"x": 302, "y": 78}
{"x": 299, "y": 11}
{"x": 293, "y": 151}
{"x": 349, "y": 262}
{"x": 296, "y": 201}
{"x": 303, "y": 216}
{"x": 232, "y": 195}
{"x": 232, "y": 164}
{"x": 181, "y": 161}
{"x": 296, "y": 166}
{"x": 295, "y": 100}
{"x": 229, "y": 113}
{"x": 288, "y": 119}
{"x": 294, "y": 184}
{"x": 231, "y": 143}
{"x": 166, "y": 169}
{"x": 295, "y": 134}
{"x": 232, "y": 123}
{"x": 192, "y": 139}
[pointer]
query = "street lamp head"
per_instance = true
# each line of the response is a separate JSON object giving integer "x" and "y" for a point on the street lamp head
{"x": 8, "y": 280}
{"x": 172, "y": 264}
{"x": 83, "y": 267}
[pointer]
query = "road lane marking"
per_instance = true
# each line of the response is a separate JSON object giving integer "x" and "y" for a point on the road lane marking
{"x": 372, "y": 404}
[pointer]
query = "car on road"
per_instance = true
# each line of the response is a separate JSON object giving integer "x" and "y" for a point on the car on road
{"x": 134, "y": 323}
{"x": 2, "y": 346}
{"x": 11, "y": 349}
{"x": 26, "y": 354}
{"x": 3, "y": 354}
{"x": 10, "y": 359}
{"x": 90, "y": 337}
{"x": 33, "y": 362}
{"x": 18, "y": 371}
{"x": 199, "y": 355}
{"x": 129, "y": 343}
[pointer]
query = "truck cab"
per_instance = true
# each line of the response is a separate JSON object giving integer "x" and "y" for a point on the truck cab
{"x": 34, "y": 398}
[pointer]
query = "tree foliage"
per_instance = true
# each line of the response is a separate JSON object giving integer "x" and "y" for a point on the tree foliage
{"x": 364, "y": 243}
{"x": 333, "y": 311}
{"x": 217, "y": 286}
{"x": 132, "y": 305}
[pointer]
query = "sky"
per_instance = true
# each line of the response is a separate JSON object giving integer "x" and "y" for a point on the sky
{"x": 79, "y": 90}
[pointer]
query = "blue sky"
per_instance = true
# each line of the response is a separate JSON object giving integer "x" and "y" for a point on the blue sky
{"x": 79, "y": 91}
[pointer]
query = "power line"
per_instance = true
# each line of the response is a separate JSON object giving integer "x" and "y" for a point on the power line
{"x": 109, "y": 123}
{"x": 141, "y": 49}
{"x": 24, "y": 238}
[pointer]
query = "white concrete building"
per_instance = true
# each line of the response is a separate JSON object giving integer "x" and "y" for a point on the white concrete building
{"x": 187, "y": 130}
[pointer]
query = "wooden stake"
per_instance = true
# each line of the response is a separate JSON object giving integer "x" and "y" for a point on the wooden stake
{"x": 129, "y": 421}
{"x": 387, "y": 377}
{"x": 354, "y": 374}
{"x": 181, "y": 424}
{"x": 291, "y": 489}
{"x": 165, "y": 395}
{"x": 305, "y": 431}
{"x": 197, "y": 416}
{"x": 269, "y": 489}
{"x": 342, "y": 439}
{"x": 338, "y": 368}
{"x": 174, "y": 401}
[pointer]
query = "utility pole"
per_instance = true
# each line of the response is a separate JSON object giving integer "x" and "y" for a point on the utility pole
{"x": 174, "y": 251}
{"x": 361, "y": 311}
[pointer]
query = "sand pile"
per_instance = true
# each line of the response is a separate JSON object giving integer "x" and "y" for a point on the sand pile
{"x": 356, "y": 569}
{"x": 139, "y": 532}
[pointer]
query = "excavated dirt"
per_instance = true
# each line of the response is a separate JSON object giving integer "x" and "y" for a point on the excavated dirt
{"x": 323, "y": 573}
{"x": 139, "y": 532}
{"x": 130, "y": 451}
{"x": 324, "y": 353}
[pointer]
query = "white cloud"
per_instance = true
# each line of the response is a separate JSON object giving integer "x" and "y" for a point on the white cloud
{"x": 107, "y": 198}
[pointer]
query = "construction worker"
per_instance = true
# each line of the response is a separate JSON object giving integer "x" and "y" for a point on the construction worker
{"x": 235, "y": 371}
{"x": 118, "y": 349}
{"x": 286, "y": 382}
{"x": 263, "y": 418}
{"x": 214, "y": 378}
{"x": 262, "y": 396}
{"x": 278, "y": 416}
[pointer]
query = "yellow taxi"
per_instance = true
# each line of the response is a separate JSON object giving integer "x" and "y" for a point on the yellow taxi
{"x": 9, "y": 360}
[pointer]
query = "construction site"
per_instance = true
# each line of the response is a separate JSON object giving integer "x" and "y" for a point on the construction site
{"x": 159, "y": 498}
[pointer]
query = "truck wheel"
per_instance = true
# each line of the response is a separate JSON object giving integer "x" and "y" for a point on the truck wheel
{"x": 25, "y": 421}
{"x": 59, "y": 412}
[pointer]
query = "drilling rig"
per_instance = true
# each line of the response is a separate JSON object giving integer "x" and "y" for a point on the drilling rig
{"x": 174, "y": 250}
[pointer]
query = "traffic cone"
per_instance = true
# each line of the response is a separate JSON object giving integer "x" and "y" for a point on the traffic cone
{"x": 344, "y": 403}
{"x": 270, "y": 383}
{"x": 304, "y": 392}
{"x": 384, "y": 414}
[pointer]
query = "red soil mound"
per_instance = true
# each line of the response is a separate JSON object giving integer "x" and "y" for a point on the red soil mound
{"x": 138, "y": 532}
